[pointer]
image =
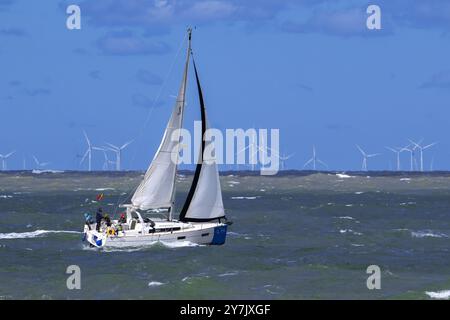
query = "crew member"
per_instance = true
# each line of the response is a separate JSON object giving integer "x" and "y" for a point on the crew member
{"x": 88, "y": 220}
{"x": 107, "y": 220}
{"x": 122, "y": 218}
{"x": 98, "y": 218}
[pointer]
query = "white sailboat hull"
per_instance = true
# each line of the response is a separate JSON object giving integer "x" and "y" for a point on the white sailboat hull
{"x": 205, "y": 233}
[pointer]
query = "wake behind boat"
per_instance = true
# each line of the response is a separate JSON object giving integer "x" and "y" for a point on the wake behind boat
{"x": 202, "y": 217}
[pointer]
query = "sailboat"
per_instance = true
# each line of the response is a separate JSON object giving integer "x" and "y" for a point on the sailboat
{"x": 202, "y": 217}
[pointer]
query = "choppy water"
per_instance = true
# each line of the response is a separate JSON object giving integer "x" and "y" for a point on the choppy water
{"x": 293, "y": 237}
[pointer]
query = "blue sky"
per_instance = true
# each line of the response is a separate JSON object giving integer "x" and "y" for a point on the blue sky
{"x": 309, "y": 68}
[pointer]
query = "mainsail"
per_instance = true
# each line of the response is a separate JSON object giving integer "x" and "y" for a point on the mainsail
{"x": 158, "y": 187}
{"x": 204, "y": 200}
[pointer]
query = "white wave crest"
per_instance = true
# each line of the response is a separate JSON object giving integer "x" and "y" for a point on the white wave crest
{"x": 228, "y": 274}
{"x": 428, "y": 234}
{"x": 32, "y": 234}
{"x": 35, "y": 171}
{"x": 350, "y": 231}
{"x": 246, "y": 198}
{"x": 155, "y": 284}
{"x": 444, "y": 294}
{"x": 179, "y": 244}
{"x": 343, "y": 176}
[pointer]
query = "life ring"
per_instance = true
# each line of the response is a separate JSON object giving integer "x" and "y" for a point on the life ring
{"x": 110, "y": 231}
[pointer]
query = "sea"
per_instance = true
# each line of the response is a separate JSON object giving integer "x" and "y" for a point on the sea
{"x": 296, "y": 235}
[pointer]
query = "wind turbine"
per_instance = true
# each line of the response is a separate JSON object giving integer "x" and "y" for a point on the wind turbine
{"x": 40, "y": 164}
{"x": 366, "y": 157}
{"x": 106, "y": 161}
{"x": 283, "y": 159}
{"x": 397, "y": 151}
{"x": 411, "y": 153}
{"x": 315, "y": 160}
{"x": 88, "y": 152}
{"x": 421, "y": 149}
{"x": 4, "y": 158}
{"x": 253, "y": 154}
{"x": 118, "y": 151}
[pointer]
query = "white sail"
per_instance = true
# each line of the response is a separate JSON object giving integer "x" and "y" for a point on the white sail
{"x": 207, "y": 204}
{"x": 158, "y": 187}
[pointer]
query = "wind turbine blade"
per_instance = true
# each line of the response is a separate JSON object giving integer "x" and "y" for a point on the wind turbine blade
{"x": 322, "y": 163}
{"x": 242, "y": 150}
{"x": 126, "y": 144}
{"x": 111, "y": 149}
{"x": 10, "y": 154}
{"x": 308, "y": 162}
{"x": 112, "y": 146}
{"x": 36, "y": 160}
{"x": 373, "y": 155}
{"x": 361, "y": 150}
{"x": 429, "y": 146}
{"x": 287, "y": 157}
{"x": 87, "y": 139}
{"x": 416, "y": 145}
{"x": 84, "y": 157}
{"x": 392, "y": 149}
{"x": 45, "y": 164}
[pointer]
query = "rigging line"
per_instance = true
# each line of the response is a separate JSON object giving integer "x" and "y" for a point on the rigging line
{"x": 147, "y": 120}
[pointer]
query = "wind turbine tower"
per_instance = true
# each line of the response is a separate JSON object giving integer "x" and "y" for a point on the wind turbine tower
{"x": 314, "y": 160}
{"x": 283, "y": 159}
{"x": 397, "y": 151}
{"x": 417, "y": 145}
{"x": 4, "y": 158}
{"x": 118, "y": 151}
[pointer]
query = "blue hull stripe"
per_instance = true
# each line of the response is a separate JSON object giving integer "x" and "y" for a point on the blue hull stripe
{"x": 220, "y": 234}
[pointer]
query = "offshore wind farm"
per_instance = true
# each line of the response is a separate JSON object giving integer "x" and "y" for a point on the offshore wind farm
{"x": 253, "y": 155}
